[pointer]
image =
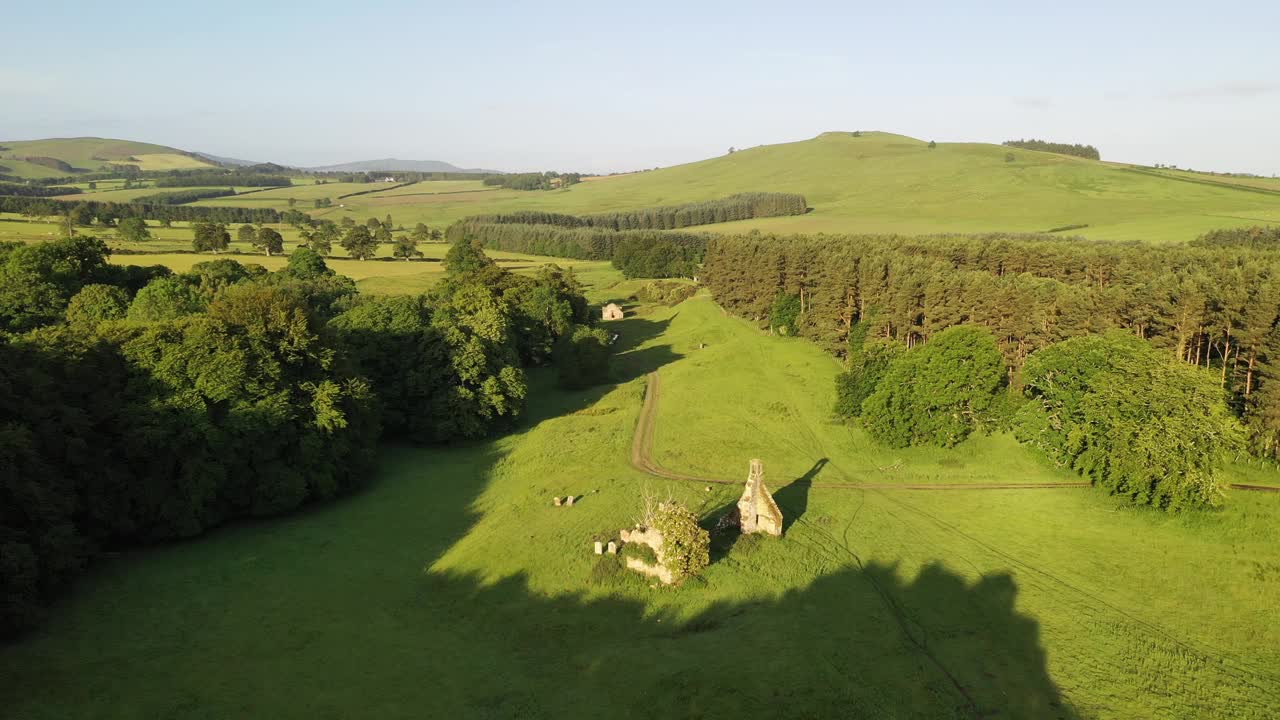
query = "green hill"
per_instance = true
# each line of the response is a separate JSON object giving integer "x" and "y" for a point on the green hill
{"x": 880, "y": 182}
{"x": 52, "y": 157}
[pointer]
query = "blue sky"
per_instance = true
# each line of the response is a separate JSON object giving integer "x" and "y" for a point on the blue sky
{"x": 603, "y": 86}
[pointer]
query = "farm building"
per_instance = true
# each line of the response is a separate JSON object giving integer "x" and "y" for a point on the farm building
{"x": 612, "y": 311}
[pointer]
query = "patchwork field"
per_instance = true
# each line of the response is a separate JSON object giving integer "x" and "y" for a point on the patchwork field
{"x": 882, "y": 183}
{"x": 874, "y": 183}
{"x": 452, "y": 586}
{"x": 91, "y": 154}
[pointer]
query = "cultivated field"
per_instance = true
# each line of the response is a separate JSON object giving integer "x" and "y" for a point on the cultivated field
{"x": 91, "y": 154}
{"x": 875, "y": 183}
{"x": 453, "y": 587}
{"x": 878, "y": 182}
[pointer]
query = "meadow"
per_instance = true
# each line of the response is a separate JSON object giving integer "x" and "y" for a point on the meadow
{"x": 89, "y": 153}
{"x": 452, "y": 585}
{"x": 882, "y": 183}
{"x": 873, "y": 183}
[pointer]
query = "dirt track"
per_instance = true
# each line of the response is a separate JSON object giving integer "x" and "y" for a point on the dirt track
{"x": 642, "y": 460}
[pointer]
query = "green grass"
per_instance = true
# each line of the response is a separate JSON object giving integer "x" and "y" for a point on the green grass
{"x": 381, "y": 277}
{"x": 886, "y": 183}
{"x": 877, "y": 183}
{"x": 452, "y": 587}
{"x": 122, "y": 195}
{"x": 92, "y": 154}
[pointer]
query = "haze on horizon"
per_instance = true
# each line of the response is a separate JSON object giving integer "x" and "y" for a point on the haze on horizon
{"x": 591, "y": 87}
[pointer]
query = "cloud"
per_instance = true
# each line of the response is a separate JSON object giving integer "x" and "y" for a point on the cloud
{"x": 1231, "y": 90}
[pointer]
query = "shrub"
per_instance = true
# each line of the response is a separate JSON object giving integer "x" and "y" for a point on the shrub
{"x": 686, "y": 547}
{"x": 939, "y": 392}
{"x": 785, "y": 314}
{"x": 583, "y": 357}
{"x": 666, "y": 293}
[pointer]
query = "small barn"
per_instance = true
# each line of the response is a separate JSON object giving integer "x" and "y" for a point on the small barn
{"x": 612, "y": 311}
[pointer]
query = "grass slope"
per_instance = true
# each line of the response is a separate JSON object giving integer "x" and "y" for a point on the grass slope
{"x": 88, "y": 153}
{"x": 881, "y": 182}
{"x": 452, "y": 587}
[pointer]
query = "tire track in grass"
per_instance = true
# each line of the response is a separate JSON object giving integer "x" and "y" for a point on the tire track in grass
{"x": 642, "y": 460}
{"x": 1236, "y": 668}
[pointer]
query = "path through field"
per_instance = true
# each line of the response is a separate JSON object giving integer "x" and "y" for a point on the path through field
{"x": 642, "y": 460}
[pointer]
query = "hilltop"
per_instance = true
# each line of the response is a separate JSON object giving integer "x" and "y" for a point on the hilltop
{"x": 58, "y": 157}
{"x": 882, "y": 182}
{"x": 878, "y": 183}
{"x": 872, "y": 182}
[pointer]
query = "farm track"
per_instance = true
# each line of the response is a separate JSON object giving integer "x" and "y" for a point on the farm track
{"x": 1093, "y": 613}
{"x": 642, "y": 460}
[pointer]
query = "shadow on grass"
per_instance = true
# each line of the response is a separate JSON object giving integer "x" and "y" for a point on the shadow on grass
{"x": 857, "y": 643}
{"x": 330, "y": 614}
{"x": 793, "y": 499}
{"x": 630, "y": 361}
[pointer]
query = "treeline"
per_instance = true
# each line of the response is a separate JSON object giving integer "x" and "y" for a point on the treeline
{"x": 224, "y": 178}
{"x": 533, "y": 181}
{"x": 1255, "y": 238}
{"x": 580, "y": 243}
{"x": 1084, "y": 151}
{"x": 742, "y": 206}
{"x": 137, "y": 405}
{"x": 1215, "y": 308}
{"x": 182, "y": 197}
{"x": 109, "y": 213}
{"x": 25, "y": 190}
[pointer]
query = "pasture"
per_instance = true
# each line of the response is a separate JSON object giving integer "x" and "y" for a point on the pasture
{"x": 89, "y": 153}
{"x": 876, "y": 183}
{"x": 451, "y": 586}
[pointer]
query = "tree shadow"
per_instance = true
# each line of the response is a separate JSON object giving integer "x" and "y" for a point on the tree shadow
{"x": 346, "y": 623}
{"x": 630, "y": 360}
{"x": 793, "y": 498}
{"x": 862, "y": 642}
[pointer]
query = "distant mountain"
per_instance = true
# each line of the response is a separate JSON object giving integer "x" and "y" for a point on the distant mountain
{"x": 393, "y": 165}
{"x": 234, "y": 162}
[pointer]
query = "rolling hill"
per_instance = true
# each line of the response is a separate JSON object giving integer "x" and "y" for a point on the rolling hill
{"x": 881, "y": 182}
{"x": 886, "y": 183}
{"x": 59, "y": 157}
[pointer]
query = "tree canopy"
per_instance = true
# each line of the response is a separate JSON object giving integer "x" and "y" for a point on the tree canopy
{"x": 1130, "y": 418}
{"x": 937, "y": 393}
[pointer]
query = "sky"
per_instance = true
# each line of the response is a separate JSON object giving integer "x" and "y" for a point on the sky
{"x": 611, "y": 86}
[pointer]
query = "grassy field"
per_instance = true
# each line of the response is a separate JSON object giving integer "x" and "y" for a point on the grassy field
{"x": 879, "y": 182}
{"x": 279, "y": 198}
{"x": 122, "y": 195}
{"x": 886, "y": 183}
{"x": 380, "y": 277}
{"x": 91, "y": 154}
{"x": 452, "y": 586}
